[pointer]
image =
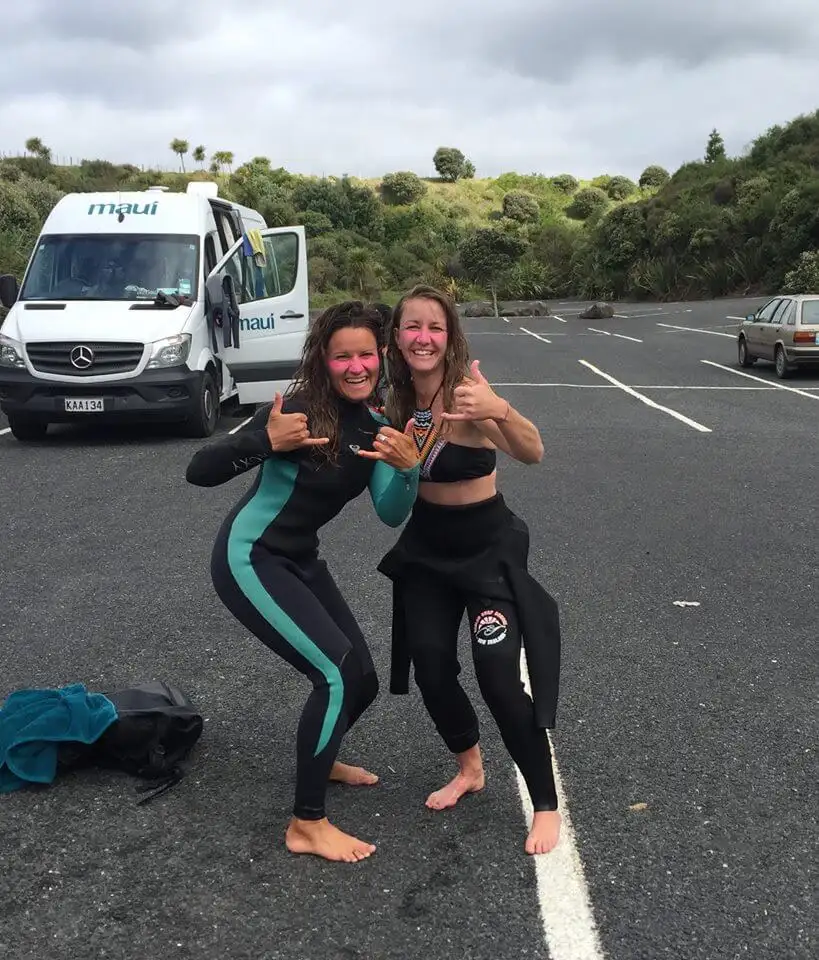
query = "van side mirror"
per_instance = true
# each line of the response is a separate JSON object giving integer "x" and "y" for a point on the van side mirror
{"x": 9, "y": 290}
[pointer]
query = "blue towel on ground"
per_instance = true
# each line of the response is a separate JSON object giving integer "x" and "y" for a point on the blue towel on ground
{"x": 33, "y": 723}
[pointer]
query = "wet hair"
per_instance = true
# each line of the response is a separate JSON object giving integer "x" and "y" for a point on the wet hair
{"x": 311, "y": 383}
{"x": 401, "y": 402}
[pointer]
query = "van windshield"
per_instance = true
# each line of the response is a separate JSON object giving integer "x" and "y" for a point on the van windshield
{"x": 112, "y": 267}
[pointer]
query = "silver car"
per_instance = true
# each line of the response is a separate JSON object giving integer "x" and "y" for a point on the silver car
{"x": 785, "y": 330}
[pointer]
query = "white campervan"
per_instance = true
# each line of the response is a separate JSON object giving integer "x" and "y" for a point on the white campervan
{"x": 151, "y": 304}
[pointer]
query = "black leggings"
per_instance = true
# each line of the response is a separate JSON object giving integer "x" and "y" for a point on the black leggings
{"x": 298, "y": 611}
{"x": 432, "y": 612}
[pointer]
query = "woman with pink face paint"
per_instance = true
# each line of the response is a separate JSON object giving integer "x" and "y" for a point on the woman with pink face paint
{"x": 463, "y": 549}
{"x": 317, "y": 449}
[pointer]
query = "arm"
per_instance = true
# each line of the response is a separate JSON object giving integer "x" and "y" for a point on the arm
{"x": 232, "y": 455}
{"x": 393, "y": 492}
{"x": 514, "y": 434}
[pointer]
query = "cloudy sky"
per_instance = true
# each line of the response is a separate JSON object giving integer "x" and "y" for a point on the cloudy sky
{"x": 369, "y": 86}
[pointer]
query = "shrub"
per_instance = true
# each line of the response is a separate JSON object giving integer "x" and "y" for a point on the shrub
{"x": 402, "y": 188}
{"x": 619, "y": 188}
{"x": 565, "y": 183}
{"x": 522, "y": 207}
{"x": 586, "y": 202}
{"x": 654, "y": 176}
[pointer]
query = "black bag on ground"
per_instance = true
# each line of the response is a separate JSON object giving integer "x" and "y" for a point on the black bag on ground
{"x": 156, "y": 728}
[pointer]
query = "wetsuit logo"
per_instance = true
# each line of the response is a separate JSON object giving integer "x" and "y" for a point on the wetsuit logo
{"x": 490, "y": 627}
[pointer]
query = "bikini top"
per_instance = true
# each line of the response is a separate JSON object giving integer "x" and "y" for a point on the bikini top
{"x": 444, "y": 462}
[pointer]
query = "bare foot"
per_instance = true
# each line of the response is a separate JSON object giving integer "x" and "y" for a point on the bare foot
{"x": 322, "y": 839}
{"x": 469, "y": 779}
{"x": 357, "y": 776}
{"x": 545, "y": 831}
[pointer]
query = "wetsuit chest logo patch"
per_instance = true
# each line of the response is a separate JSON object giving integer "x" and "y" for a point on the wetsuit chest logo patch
{"x": 490, "y": 627}
{"x": 354, "y": 447}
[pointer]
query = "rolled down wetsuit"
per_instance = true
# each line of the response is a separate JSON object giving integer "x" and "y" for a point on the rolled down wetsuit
{"x": 473, "y": 558}
{"x": 266, "y": 570}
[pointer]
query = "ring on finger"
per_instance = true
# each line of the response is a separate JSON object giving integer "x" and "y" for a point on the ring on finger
{"x": 381, "y": 438}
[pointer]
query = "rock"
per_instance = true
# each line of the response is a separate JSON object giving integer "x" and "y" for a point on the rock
{"x": 597, "y": 311}
{"x": 524, "y": 308}
{"x": 477, "y": 308}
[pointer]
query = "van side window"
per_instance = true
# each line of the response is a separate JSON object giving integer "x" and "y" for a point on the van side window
{"x": 275, "y": 278}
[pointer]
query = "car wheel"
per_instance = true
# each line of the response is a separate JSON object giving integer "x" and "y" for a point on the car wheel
{"x": 782, "y": 368}
{"x": 205, "y": 414}
{"x": 28, "y": 428}
{"x": 745, "y": 358}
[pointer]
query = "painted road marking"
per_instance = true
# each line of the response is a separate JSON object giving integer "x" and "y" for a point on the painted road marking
{"x": 595, "y": 330}
{"x": 608, "y": 333}
{"x": 5, "y": 430}
{"x": 638, "y": 386}
{"x": 565, "y": 904}
{"x": 560, "y": 319}
{"x": 776, "y": 386}
{"x": 242, "y": 424}
{"x": 714, "y": 333}
{"x": 647, "y": 400}
{"x": 537, "y": 335}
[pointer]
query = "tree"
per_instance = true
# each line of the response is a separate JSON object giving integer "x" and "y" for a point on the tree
{"x": 199, "y": 155}
{"x": 487, "y": 255}
{"x": 451, "y": 164}
{"x": 587, "y": 201}
{"x": 180, "y": 147}
{"x": 619, "y": 188}
{"x": 715, "y": 148}
{"x": 223, "y": 158}
{"x": 36, "y": 146}
{"x": 521, "y": 206}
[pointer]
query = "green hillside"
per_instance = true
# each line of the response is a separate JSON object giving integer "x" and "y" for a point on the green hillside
{"x": 717, "y": 226}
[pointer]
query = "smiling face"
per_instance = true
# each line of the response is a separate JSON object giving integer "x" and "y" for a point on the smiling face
{"x": 422, "y": 335}
{"x": 353, "y": 362}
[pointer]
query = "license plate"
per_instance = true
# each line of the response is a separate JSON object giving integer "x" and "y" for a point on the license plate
{"x": 84, "y": 405}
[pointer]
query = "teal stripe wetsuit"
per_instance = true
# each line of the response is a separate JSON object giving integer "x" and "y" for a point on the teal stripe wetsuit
{"x": 266, "y": 570}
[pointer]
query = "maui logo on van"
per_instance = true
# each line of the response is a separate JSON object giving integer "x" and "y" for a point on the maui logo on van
{"x": 117, "y": 208}
{"x": 257, "y": 323}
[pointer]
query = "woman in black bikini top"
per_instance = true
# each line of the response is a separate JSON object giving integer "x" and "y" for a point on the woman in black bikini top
{"x": 464, "y": 549}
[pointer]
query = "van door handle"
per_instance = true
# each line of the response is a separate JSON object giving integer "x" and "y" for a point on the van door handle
{"x": 289, "y": 315}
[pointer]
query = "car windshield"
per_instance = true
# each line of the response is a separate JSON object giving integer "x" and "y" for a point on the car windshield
{"x": 112, "y": 267}
{"x": 810, "y": 313}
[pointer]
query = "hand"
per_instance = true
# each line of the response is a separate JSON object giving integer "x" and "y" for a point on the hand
{"x": 477, "y": 400}
{"x": 287, "y": 431}
{"x": 395, "y": 448}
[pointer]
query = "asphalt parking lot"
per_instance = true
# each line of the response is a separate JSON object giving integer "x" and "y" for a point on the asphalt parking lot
{"x": 674, "y": 518}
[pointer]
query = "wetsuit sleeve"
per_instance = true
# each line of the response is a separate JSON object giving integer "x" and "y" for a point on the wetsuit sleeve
{"x": 393, "y": 492}
{"x": 232, "y": 455}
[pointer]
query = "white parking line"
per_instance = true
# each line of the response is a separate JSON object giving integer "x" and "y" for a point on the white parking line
{"x": 649, "y": 386}
{"x": 537, "y": 335}
{"x": 714, "y": 333}
{"x": 729, "y": 317}
{"x": 5, "y": 430}
{"x": 237, "y": 429}
{"x": 565, "y": 904}
{"x": 647, "y": 400}
{"x": 770, "y": 383}
{"x": 560, "y": 319}
{"x": 608, "y": 333}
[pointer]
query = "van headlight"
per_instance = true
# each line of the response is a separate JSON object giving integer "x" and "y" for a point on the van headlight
{"x": 170, "y": 352}
{"x": 11, "y": 352}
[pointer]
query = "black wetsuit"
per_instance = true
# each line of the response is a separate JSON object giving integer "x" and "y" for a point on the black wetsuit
{"x": 266, "y": 570}
{"x": 473, "y": 558}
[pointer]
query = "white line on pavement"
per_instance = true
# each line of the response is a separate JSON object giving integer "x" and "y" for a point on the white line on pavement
{"x": 537, "y": 335}
{"x": 646, "y": 400}
{"x": 6, "y": 430}
{"x": 622, "y": 336}
{"x": 729, "y": 317}
{"x": 565, "y": 904}
{"x": 560, "y": 319}
{"x": 595, "y": 330}
{"x": 237, "y": 429}
{"x": 776, "y": 386}
{"x": 714, "y": 333}
{"x": 640, "y": 386}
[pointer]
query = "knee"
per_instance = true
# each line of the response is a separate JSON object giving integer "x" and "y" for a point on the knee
{"x": 500, "y": 682}
{"x": 368, "y": 688}
{"x": 433, "y": 670}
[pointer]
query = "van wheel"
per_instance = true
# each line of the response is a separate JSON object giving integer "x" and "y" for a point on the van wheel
{"x": 205, "y": 412}
{"x": 28, "y": 428}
